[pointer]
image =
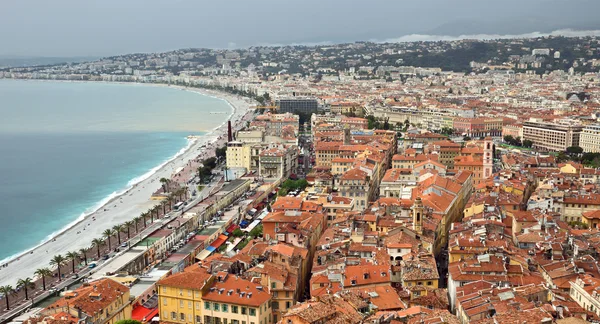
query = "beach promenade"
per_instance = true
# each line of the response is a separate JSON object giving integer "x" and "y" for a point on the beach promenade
{"x": 126, "y": 206}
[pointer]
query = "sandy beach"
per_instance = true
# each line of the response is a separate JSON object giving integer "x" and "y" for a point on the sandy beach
{"x": 130, "y": 203}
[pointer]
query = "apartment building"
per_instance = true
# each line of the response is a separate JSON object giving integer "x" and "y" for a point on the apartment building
{"x": 281, "y": 125}
{"x": 233, "y": 300}
{"x": 303, "y": 105}
{"x": 551, "y": 136}
{"x": 589, "y": 139}
{"x": 586, "y": 292}
{"x": 100, "y": 301}
{"x": 278, "y": 162}
{"x": 356, "y": 184}
{"x": 196, "y": 296}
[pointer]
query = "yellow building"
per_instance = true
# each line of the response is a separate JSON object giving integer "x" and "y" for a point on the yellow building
{"x": 239, "y": 155}
{"x": 591, "y": 218}
{"x": 232, "y": 300}
{"x": 419, "y": 273}
{"x": 180, "y": 296}
{"x": 195, "y": 296}
{"x": 101, "y": 301}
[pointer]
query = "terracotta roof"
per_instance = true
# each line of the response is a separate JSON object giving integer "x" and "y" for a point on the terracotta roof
{"x": 238, "y": 291}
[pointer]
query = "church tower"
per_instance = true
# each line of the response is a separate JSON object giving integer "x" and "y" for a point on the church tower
{"x": 417, "y": 213}
{"x": 488, "y": 157}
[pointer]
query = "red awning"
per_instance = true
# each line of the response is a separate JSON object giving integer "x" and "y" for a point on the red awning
{"x": 231, "y": 228}
{"x": 143, "y": 314}
{"x": 219, "y": 241}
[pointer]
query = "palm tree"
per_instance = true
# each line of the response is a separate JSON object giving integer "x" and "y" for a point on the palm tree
{"x": 97, "y": 243}
{"x": 107, "y": 234}
{"x": 26, "y": 284}
{"x": 83, "y": 255}
{"x": 136, "y": 221}
{"x": 156, "y": 209}
{"x": 170, "y": 200}
{"x": 58, "y": 260}
{"x": 118, "y": 229}
{"x": 6, "y": 291}
{"x": 164, "y": 182}
{"x": 164, "y": 204}
{"x": 128, "y": 225}
{"x": 43, "y": 273}
{"x": 72, "y": 256}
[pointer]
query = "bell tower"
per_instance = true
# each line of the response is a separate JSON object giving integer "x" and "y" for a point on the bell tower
{"x": 488, "y": 157}
{"x": 417, "y": 213}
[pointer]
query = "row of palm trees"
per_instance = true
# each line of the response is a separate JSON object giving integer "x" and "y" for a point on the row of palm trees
{"x": 58, "y": 260}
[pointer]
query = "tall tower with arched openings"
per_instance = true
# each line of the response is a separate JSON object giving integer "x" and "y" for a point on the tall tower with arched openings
{"x": 488, "y": 157}
{"x": 417, "y": 213}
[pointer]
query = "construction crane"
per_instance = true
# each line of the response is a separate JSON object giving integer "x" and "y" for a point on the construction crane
{"x": 271, "y": 108}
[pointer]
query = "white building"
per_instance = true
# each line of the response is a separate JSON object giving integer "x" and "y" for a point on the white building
{"x": 589, "y": 140}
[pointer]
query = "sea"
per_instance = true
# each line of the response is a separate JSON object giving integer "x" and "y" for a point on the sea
{"x": 68, "y": 147}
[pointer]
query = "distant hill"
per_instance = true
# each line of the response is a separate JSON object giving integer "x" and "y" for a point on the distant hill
{"x": 508, "y": 27}
{"x": 18, "y": 61}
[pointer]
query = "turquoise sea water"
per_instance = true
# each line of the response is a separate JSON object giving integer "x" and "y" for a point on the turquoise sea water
{"x": 65, "y": 147}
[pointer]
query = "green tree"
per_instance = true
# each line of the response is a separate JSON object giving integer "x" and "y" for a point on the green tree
{"x": 72, "y": 256}
{"x": 221, "y": 152}
{"x": 164, "y": 182}
{"x": 237, "y": 232}
{"x": 26, "y": 284}
{"x": 527, "y": 143}
{"x": 107, "y": 234}
{"x": 257, "y": 231}
{"x": 43, "y": 273}
{"x": 128, "y": 321}
{"x": 210, "y": 162}
{"x": 7, "y": 291}
{"x": 509, "y": 139}
{"x": 58, "y": 261}
{"x": 562, "y": 157}
{"x": 97, "y": 243}
{"x": 574, "y": 150}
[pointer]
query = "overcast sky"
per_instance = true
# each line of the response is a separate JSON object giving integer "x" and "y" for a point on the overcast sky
{"x": 110, "y": 27}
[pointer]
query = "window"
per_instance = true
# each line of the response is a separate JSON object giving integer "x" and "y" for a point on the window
{"x": 288, "y": 305}
{"x": 198, "y": 319}
{"x": 182, "y": 316}
{"x": 190, "y": 305}
{"x": 252, "y": 311}
{"x": 243, "y": 310}
{"x": 164, "y": 301}
{"x": 273, "y": 285}
{"x": 275, "y": 305}
{"x": 234, "y": 309}
{"x": 216, "y": 306}
{"x": 173, "y": 316}
{"x": 287, "y": 294}
{"x": 164, "y": 290}
{"x": 429, "y": 283}
{"x": 224, "y": 308}
{"x": 181, "y": 303}
{"x": 206, "y": 305}
{"x": 197, "y": 305}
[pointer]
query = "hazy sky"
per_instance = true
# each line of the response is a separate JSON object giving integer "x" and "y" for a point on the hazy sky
{"x": 108, "y": 27}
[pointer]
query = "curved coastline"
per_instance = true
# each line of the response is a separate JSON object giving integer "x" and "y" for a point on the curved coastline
{"x": 100, "y": 204}
{"x": 239, "y": 110}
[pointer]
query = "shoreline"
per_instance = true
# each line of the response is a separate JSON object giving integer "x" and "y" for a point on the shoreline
{"x": 147, "y": 181}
